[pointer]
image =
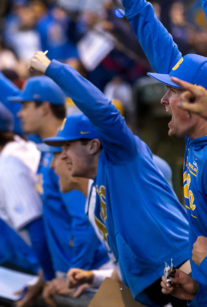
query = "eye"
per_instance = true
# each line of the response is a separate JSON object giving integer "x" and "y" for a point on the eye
{"x": 173, "y": 90}
{"x": 67, "y": 145}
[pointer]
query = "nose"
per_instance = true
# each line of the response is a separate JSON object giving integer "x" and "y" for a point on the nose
{"x": 64, "y": 153}
{"x": 164, "y": 100}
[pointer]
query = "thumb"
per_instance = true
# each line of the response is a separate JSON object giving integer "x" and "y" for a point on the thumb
{"x": 80, "y": 290}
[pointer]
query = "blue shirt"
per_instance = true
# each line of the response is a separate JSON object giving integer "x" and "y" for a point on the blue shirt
{"x": 136, "y": 208}
{"x": 71, "y": 239}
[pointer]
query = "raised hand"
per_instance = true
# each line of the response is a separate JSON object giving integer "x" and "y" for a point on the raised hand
{"x": 39, "y": 62}
{"x": 194, "y": 98}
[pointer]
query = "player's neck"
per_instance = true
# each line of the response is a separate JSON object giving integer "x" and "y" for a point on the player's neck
{"x": 83, "y": 186}
{"x": 200, "y": 130}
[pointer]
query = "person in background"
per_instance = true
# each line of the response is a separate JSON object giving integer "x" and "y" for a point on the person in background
{"x": 20, "y": 207}
{"x": 70, "y": 237}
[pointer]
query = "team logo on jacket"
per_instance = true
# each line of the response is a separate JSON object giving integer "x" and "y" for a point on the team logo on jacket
{"x": 190, "y": 175}
{"x": 100, "y": 221}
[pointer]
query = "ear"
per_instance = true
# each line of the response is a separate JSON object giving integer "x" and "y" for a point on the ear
{"x": 94, "y": 146}
{"x": 45, "y": 107}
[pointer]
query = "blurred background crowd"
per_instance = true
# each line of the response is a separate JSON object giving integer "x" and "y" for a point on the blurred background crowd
{"x": 71, "y": 32}
{"x": 96, "y": 39}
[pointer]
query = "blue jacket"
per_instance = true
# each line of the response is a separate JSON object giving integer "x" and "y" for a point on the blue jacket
{"x": 163, "y": 54}
{"x": 14, "y": 251}
{"x": 136, "y": 208}
{"x": 195, "y": 194}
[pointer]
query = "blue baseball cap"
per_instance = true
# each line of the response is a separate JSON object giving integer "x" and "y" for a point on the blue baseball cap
{"x": 41, "y": 88}
{"x": 6, "y": 119}
{"x": 74, "y": 127}
{"x": 191, "y": 68}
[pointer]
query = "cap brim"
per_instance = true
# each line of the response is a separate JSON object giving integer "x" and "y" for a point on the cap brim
{"x": 46, "y": 148}
{"x": 164, "y": 78}
{"x": 15, "y": 98}
{"x": 55, "y": 141}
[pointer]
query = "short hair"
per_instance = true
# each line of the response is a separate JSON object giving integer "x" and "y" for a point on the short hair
{"x": 59, "y": 111}
{"x": 6, "y": 137}
{"x": 85, "y": 141}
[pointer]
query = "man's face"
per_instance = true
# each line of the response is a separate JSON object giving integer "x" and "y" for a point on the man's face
{"x": 182, "y": 123}
{"x": 30, "y": 116}
{"x": 78, "y": 158}
{"x": 66, "y": 180}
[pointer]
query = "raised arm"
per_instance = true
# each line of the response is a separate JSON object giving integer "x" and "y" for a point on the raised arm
{"x": 108, "y": 122}
{"x": 157, "y": 43}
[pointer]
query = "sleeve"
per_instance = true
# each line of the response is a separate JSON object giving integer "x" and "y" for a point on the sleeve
{"x": 117, "y": 139}
{"x": 39, "y": 245}
{"x": 203, "y": 266}
{"x": 157, "y": 43}
{"x": 23, "y": 203}
{"x": 200, "y": 298}
{"x": 13, "y": 250}
{"x": 204, "y": 5}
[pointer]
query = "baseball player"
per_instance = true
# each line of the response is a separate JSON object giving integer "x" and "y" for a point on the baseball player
{"x": 20, "y": 204}
{"x": 70, "y": 238}
{"x": 191, "y": 68}
{"x": 136, "y": 209}
{"x": 155, "y": 42}
{"x": 67, "y": 183}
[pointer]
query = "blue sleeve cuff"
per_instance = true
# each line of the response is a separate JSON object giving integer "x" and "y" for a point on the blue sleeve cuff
{"x": 200, "y": 299}
{"x": 132, "y": 7}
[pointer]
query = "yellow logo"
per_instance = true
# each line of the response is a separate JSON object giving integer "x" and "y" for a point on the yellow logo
{"x": 69, "y": 102}
{"x": 63, "y": 124}
{"x": 84, "y": 132}
{"x": 178, "y": 64}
